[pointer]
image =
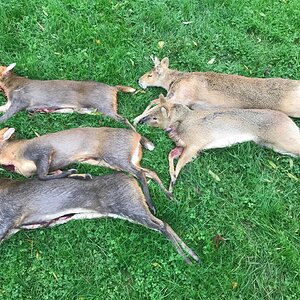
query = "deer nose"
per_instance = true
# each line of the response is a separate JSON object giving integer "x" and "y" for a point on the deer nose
{"x": 142, "y": 85}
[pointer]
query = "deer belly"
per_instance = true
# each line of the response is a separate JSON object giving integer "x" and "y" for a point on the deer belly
{"x": 224, "y": 141}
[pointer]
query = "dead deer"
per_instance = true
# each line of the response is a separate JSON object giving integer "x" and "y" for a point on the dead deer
{"x": 204, "y": 90}
{"x": 114, "y": 148}
{"x": 197, "y": 130}
{"x": 59, "y": 96}
{"x": 34, "y": 204}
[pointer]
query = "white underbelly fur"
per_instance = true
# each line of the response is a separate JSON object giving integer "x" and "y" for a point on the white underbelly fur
{"x": 230, "y": 140}
{"x": 79, "y": 213}
{"x": 5, "y": 107}
{"x": 298, "y": 93}
{"x": 135, "y": 159}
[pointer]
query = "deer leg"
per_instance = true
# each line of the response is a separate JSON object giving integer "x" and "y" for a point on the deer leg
{"x": 187, "y": 155}
{"x": 174, "y": 154}
{"x": 15, "y": 107}
{"x": 73, "y": 175}
{"x": 165, "y": 229}
{"x": 126, "y": 122}
{"x": 283, "y": 138}
{"x": 122, "y": 119}
{"x": 8, "y": 223}
{"x": 154, "y": 176}
{"x": 140, "y": 174}
{"x": 179, "y": 244}
{"x": 43, "y": 161}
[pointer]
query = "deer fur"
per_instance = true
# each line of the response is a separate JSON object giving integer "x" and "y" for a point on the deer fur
{"x": 31, "y": 204}
{"x": 204, "y": 90}
{"x": 196, "y": 130}
{"x": 115, "y": 148}
{"x": 59, "y": 96}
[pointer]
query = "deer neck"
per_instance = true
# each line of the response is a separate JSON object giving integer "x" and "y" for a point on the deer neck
{"x": 179, "y": 112}
{"x": 169, "y": 78}
{"x": 11, "y": 81}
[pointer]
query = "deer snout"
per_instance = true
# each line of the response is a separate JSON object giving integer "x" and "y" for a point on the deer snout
{"x": 142, "y": 85}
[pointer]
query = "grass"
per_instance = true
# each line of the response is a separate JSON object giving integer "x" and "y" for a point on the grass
{"x": 255, "y": 205}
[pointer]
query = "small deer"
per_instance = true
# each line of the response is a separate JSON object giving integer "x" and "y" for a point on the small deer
{"x": 197, "y": 130}
{"x": 34, "y": 204}
{"x": 204, "y": 90}
{"x": 114, "y": 148}
{"x": 59, "y": 96}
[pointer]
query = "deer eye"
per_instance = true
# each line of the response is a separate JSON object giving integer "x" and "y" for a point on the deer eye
{"x": 149, "y": 75}
{"x": 155, "y": 118}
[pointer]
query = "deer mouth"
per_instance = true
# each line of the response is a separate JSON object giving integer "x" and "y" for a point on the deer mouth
{"x": 10, "y": 168}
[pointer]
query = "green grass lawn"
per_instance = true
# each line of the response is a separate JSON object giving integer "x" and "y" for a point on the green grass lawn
{"x": 255, "y": 206}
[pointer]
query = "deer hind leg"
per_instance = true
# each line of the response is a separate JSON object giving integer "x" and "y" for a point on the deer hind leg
{"x": 152, "y": 175}
{"x": 187, "y": 155}
{"x": 179, "y": 244}
{"x": 7, "y": 227}
{"x": 112, "y": 111}
{"x": 165, "y": 229}
{"x": 290, "y": 105}
{"x": 284, "y": 139}
{"x": 140, "y": 175}
{"x": 121, "y": 119}
{"x": 135, "y": 169}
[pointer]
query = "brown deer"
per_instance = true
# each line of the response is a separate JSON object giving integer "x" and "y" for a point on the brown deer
{"x": 114, "y": 148}
{"x": 34, "y": 204}
{"x": 59, "y": 96}
{"x": 197, "y": 130}
{"x": 204, "y": 90}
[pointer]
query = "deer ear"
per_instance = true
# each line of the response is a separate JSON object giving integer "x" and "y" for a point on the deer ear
{"x": 162, "y": 99}
{"x": 164, "y": 112}
{"x": 165, "y": 63}
{"x": 9, "y": 68}
{"x": 7, "y": 134}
